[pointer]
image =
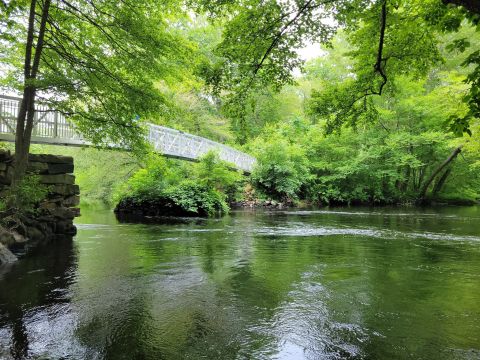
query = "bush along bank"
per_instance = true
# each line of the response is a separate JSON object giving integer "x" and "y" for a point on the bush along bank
{"x": 185, "y": 199}
{"x": 46, "y": 198}
{"x": 364, "y": 167}
{"x": 165, "y": 188}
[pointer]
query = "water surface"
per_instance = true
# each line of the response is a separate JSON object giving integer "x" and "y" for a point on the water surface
{"x": 342, "y": 283}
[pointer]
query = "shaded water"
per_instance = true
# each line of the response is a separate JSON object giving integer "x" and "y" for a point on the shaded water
{"x": 327, "y": 284}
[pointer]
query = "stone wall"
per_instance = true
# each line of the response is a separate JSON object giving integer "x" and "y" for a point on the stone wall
{"x": 54, "y": 215}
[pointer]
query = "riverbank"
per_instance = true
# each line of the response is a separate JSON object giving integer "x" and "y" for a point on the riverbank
{"x": 48, "y": 197}
{"x": 19, "y": 233}
{"x": 300, "y": 204}
{"x": 166, "y": 211}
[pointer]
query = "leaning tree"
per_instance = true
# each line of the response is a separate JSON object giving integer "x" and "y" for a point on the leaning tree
{"x": 390, "y": 38}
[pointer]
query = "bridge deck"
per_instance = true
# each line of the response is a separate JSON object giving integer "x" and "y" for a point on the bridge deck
{"x": 51, "y": 127}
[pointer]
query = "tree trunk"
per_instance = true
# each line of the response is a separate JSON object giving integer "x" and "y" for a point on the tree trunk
{"x": 21, "y": 146}
{"x": 421, "y": 176}
{"x": 403, "y": 184}
{"x": 26, "y": 113}
{"x": 453, "y": 155}
{"x": 438, "y": 186}
{"x": 23, "y": 135}
{"x": 414, "y": 178}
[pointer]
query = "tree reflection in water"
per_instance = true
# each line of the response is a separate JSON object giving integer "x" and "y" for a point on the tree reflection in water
{"x": 39, "y": 280}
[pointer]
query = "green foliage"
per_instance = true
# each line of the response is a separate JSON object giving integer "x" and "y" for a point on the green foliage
{"x": 197, "y": 198}
{"x": 29, "y": 194}
{"x": 251, "y": 115}
{"x": 202, "y": 188}
{"x": 149, "y": 181}
{"x": 385, "y": 161}
{"x": 103, "y": 63}
{"x": 387, "y": 40}
{"x": 411, "y": 47}
{"x": 259, "y": 39}
{"x": 214, "y": 173}
{"x": 373, "y": 166}
{"x": 282, "y": 169}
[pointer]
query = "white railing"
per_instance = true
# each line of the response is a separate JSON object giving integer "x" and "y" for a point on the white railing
{"x": 176, "y": 143}
{"x": 51, "y": 127}
{"x": 47, "y": 123}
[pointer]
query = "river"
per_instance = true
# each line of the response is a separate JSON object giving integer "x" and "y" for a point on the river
{"x": 344, "y": 283}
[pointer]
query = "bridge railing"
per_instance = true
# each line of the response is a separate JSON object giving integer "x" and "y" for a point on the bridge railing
{"x": 183, "y": 145}
{"x": 53, "y": 128}
{"x": 48, "y": 124}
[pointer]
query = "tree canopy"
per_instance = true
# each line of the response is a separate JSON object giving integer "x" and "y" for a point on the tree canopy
{"x": 102, "y": 63}
{"x": 388, "y": 38}
{"x": 398, "y": 81}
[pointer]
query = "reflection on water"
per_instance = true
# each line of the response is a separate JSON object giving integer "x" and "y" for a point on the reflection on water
{"x": 325, "y": 284}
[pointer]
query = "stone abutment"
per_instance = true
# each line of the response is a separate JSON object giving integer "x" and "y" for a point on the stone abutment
{"x": 52, "y": 217}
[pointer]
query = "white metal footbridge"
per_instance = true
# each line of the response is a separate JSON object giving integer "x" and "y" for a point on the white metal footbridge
{"x": 51, "y": 127}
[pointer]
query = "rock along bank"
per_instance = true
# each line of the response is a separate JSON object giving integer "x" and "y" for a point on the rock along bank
{"x": 53, "y": 216}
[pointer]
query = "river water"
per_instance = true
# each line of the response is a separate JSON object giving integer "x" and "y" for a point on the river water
{"x": 353, "y": 283}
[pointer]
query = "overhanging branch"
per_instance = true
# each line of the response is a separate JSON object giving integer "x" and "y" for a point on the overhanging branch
{"x": 470, "y": 5}
{"x": 381, "y": 62}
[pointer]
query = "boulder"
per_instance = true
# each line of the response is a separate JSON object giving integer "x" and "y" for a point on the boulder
{"x": 66, "y": 189}
{"x": 62, "y": 213}
{"x": 57, "y": 179}
{"x": 159, "y": 207}
{"x": 65, "y": 227}
{"x": 48, "y": 205}
{"x": 37, "y": 167}
{"x": 51, "y": 159}
{"x": 5, "y": 155}
{"x": 35, "y": 234}
{"x": 4, "y": 178}
{"x": 6, "y": 237}
{"x": 72, "y": 201}
{"x": 6, "y": 255}
{"x": 75, "y": 211}
{"x": 19, "y": 239}
{"x": 63, "y": 168}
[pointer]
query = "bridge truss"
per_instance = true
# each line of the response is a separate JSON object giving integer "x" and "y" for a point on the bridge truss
{"x": 51, "y": 127}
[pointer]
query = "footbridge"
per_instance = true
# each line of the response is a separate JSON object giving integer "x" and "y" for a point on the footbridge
{"x": 51, "y": 127}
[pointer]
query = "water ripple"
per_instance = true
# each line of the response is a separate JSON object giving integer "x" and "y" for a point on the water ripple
{"x": 301, "y": 231}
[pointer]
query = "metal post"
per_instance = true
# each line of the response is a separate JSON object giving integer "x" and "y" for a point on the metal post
{"x": 2, "y": 117}
{"x": 55, "y": 124}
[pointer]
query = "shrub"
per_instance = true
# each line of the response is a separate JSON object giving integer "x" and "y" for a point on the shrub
{"x": 29, "y": 193}
{"x": 148, "y": 182}
{"x": 217, "y": 174}
{"x": 201, "y": 188}
{"x": 197, "y": 198}
{"x": 282, "y": 170}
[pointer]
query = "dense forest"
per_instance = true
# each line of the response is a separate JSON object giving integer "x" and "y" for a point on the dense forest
{"x": 385, "y": 114}
{"x": 388, "y": 160}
